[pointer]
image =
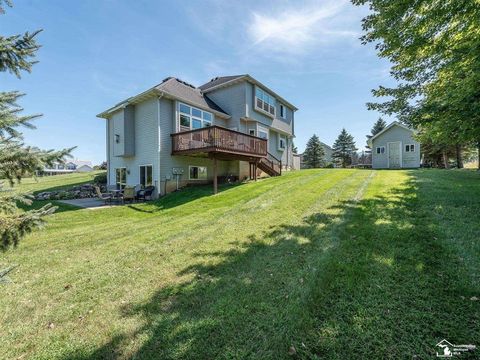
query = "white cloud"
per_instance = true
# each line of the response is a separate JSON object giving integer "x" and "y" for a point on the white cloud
{"x": 294, "y": 31}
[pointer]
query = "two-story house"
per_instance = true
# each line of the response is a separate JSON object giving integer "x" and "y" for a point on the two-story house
{"x": 175, "y": 133}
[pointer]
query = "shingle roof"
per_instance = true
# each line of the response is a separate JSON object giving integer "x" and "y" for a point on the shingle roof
{"x": 187, "y": 92}
{"x": 218, "y": 81}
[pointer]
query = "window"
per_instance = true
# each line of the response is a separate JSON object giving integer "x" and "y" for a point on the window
{"x": 117, "y": 138}
{"x": 282, "y": 142}
{"x": 146, "y": 175}
{"x": 262, "y": 133}
{"x": 283, "y": 112}
{"x": 251, "y": 132}
{"x": 61, "y": 167}
{"x": 264, "y": 102}
{"x": 120, "y": 177}
{"x": 380, "y": 149}
{"x": 193, "y": 118}
{"x": 197, "y": 173}
{"x": 410, "y": 148}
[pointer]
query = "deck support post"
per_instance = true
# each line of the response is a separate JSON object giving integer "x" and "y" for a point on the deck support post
{"x": 255, "y": 171}
{"x": 215, "y": 185}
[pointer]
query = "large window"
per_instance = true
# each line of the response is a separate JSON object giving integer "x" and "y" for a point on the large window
{"x": 262, "y": 132}
{"x": 264, "y": 101}
{"x": 146, "y": 175}
{"x": 120, "y": 177}
{"x": 193, "y": 118}
{"x": 410, "y": 148}
{"x": 197, "y": 173}
{"x": 282, "y": 142}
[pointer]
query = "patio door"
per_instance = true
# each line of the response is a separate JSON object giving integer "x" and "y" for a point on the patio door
{"x": 394, "y": 155}
{"x": 120, "y": 178}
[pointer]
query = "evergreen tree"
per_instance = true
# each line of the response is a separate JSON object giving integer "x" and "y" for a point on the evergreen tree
{"x": 314, "y": 155}
{"x": 16, "y": 159}
{"x": 379, "y": 125}
{"x": 343, "y": 149}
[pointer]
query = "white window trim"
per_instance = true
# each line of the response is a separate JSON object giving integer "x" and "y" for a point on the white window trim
{"x": 268, "y": 113}
{"x": 410, "y": 147}
{"x": 284, "y": 116}
{"x": 191, "y": 116}
{"x": 380, "y": 153}
{"x": 263, "y": 129}
{"x": 284, "y": 138}
{"x": 139, "y": 173}
{"x": 115, "y": 172}
{"x": 197, "y": 166}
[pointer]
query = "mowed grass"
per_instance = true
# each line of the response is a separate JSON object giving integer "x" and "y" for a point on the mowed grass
{"x": 334, "y": 264}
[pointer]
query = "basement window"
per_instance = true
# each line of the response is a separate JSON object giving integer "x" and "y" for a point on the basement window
{"x": 197, "y": 173}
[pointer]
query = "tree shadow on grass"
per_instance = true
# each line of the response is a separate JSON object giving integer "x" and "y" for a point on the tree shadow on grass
{"x": 181, "y": 197}
{"x": 364, "y": 279}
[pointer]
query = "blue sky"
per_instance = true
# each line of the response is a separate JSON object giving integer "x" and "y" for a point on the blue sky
{"x": 96, "y": 53}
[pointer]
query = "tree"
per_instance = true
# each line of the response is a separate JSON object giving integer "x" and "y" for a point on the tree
{"x": 16, "y": 159}
{"x": 102, "y": 166}
{"x": 434, "y": 48}
{"x": 294, "y": 149}
{"x": 379, "y": 125}
{"x": 314, "y": 153}
{"x": 343, "y": 149}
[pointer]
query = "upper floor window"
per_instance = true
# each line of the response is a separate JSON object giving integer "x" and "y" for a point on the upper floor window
{"x": 282, "y": 142}
{"x": 264, "y": 101}
{"x": 193, "y": 118}
{"x": 380, "y": 149}
{"x": 410, "y": 148}
{"x": 283, "y": 112}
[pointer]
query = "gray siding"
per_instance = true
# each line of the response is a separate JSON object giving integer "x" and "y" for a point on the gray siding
{"x": 232, "y": 100}
{"x": 145, "y": 141}
{"x": 394, "y": 134}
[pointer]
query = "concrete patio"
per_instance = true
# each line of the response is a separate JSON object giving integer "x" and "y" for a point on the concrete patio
{"x": 88, "y": 203}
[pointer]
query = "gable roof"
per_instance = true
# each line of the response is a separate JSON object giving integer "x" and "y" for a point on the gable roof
{"x": 174, "y": 88}
{"x": 224, "y": 81}
{"x": 395, "y": 123}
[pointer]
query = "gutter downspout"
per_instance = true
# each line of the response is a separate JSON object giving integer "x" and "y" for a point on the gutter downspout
{"x": 159, "y": 144}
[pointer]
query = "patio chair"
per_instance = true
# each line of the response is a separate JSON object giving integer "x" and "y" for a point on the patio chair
{"x": 103, "y": 196}
{"x": 145, "y": 193}
{"x": 129, "y": 194}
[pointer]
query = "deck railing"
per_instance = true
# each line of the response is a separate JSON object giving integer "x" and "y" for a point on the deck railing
{"x": 218, "y": 139}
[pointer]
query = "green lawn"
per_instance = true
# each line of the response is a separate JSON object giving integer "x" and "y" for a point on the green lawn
{"x": 337, "y": 264}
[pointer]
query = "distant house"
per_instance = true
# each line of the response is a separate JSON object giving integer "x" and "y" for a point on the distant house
{"x": 395, "y": 147}
{"x": 328, "y": 158}
{"x": 68, "y": 167}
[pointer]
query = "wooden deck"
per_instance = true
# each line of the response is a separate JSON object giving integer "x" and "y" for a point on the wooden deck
{"x": 220, "y": 142}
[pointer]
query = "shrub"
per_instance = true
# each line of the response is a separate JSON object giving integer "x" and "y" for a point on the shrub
{"x": 100, "y": 178}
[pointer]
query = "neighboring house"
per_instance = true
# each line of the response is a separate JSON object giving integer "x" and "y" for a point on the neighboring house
{"x": 175, "y": 133}
{"x": 395, "y": 147}
{"x": 327, "y": 158}
{"x": 68, "y": 167}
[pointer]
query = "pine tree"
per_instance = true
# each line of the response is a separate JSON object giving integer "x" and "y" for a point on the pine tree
{"x": 314, "y": 155}
{"x": 17, "y": 160}
{"x": 379, "y": 125}
{"x": 343, "y": 149}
